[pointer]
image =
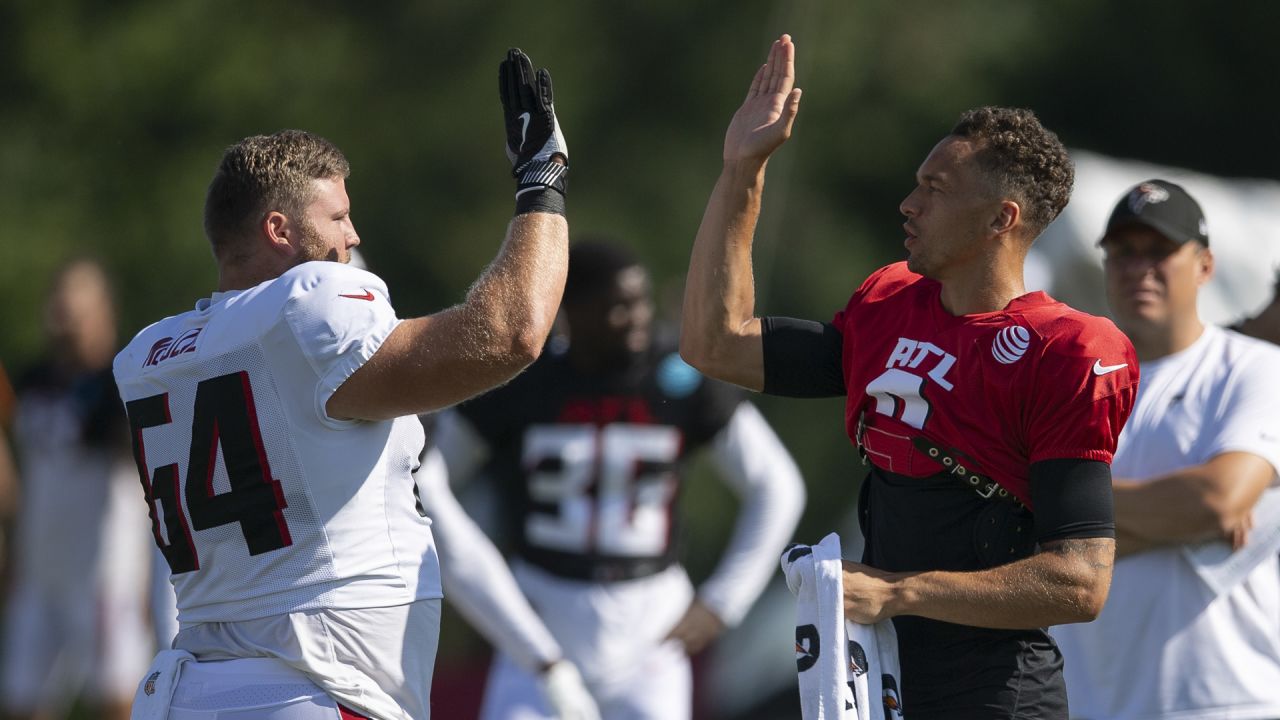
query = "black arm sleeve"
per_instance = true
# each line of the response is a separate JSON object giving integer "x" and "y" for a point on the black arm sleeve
{"x": 1072, "y": 499}
{"x": 802, "y": 358}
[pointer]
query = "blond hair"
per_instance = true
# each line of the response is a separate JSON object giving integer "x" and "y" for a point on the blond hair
{"x": 261, "y": 174}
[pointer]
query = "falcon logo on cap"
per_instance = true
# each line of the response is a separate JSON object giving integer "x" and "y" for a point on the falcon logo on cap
{"x": 1144, "y": 194}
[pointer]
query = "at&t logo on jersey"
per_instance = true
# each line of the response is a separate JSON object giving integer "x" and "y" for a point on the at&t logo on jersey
{"x": 1011, "y": 344}
{"x": 168, "y": 347}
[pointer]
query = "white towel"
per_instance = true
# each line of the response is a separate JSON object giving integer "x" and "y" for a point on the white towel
{"x": 841, "y": 666}
{"x": 155, "y": 692}
{"x": 873, "y": 665}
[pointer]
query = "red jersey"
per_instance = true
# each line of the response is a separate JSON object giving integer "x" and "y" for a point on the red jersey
{"x": 1035, "y": 381}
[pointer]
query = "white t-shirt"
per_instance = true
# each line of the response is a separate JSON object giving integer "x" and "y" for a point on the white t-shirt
{"x": 1165, "y": 646}
{"x": 315, "y": 512}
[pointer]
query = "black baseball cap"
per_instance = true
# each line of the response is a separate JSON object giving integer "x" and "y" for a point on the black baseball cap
{"x": 1163, "y": 206}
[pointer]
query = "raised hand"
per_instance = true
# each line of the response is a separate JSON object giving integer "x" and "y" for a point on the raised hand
{"x": 764, "y": 121}
{"x": 533, "y": 133}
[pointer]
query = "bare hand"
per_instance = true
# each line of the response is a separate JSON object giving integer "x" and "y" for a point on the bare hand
{"x": 697, "y": 628}
{"x": 764, "y": 121}
{"x": 867, "y": 592}
{"x": 1237, "y": 532}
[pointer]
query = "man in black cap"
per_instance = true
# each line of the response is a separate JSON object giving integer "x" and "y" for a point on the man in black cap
{"x": 1179, "y": 638}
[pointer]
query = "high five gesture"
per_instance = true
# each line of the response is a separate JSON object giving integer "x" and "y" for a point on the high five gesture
{"x": 720, "y": 334}
{"x": 764, "y": 121}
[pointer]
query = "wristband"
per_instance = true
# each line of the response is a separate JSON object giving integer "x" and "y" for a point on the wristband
{"x": 541, "y": 187}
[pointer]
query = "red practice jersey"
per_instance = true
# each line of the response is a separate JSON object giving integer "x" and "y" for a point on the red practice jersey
{"x": 1035, "y": 381}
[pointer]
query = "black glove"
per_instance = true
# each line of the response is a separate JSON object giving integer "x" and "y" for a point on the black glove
{"x": 533, "y": 135}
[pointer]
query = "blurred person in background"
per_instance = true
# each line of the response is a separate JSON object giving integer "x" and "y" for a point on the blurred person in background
{"x": 585, "y": 451}
{"x": 1202, "y": 446}
{"x": 987, "y": 414}
{"x": 275, "y": 431}
{"x": 76, "y": 617}
{"x": 8, "y": 482}
{"x": 1266, "y": 324}
{"x": 479, "y": 585}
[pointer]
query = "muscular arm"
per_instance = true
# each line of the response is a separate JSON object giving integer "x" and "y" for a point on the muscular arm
{"x": 720, "y": 334}
{"x": 1066, "y": 582}
{"x": 1212, "y": 500}
{"x": 435, "y": 361}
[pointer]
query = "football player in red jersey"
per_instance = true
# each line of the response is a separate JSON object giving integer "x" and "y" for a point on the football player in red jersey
{"x": 988, "y": 415}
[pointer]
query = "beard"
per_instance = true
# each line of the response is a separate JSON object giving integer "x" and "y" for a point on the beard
{"x": 311, "y": 247}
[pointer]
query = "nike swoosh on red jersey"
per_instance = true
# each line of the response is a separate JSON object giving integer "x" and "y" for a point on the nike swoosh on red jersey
{"x": 366, "y": 296}
{"x": 1100, "y": 369}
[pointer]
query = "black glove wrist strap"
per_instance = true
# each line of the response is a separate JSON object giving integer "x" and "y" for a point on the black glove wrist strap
{"x": 541, "y": 187}
{"x": 540, "y": 172}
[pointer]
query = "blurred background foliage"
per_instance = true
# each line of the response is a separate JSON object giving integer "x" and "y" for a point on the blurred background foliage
{"x": 113, "y": 117}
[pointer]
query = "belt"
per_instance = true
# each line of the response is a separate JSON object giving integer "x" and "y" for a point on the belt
{"x": 594, "y": 568}
{"x": 985, "y": 487}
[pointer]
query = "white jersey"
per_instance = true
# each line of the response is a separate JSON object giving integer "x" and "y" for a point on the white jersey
{"x": 262, "y": 503}
{"x": 1165, "y": 645}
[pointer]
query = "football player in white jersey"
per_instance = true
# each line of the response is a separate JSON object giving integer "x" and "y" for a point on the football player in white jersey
{"x": 275, "y": 433}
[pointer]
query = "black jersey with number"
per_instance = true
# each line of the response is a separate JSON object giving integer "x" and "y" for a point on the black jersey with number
{"x": 90, "y": 413}
{"x": 588, "y": 464}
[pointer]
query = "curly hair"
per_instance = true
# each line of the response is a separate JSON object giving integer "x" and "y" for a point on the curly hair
{"x": 263, "y": 173}
{"x": 1022, "y": 160}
